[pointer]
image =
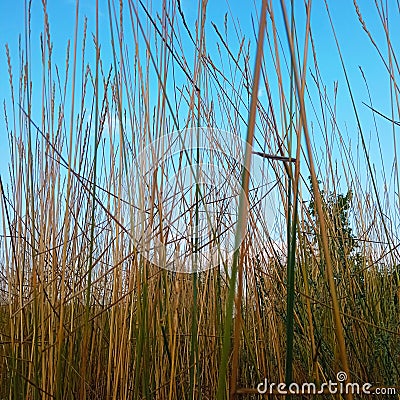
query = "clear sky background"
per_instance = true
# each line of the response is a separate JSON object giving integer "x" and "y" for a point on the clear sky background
{"x": 355, "y": 45}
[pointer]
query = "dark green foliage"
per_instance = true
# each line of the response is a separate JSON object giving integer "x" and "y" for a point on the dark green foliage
{"x": 343, "y": 242}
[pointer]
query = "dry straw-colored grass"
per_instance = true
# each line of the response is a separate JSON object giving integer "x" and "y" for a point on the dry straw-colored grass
{"x": 84, "y": 314}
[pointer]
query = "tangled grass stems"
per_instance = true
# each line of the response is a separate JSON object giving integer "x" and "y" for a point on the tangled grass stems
{"x": 86, "y": 313}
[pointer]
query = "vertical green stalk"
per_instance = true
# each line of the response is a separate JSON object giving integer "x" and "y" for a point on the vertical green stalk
{"x": 291, "y": 240}
{"x": 194, "y": 344}
{"x": 194, "y": 371}
{"x": 291, "y": 249}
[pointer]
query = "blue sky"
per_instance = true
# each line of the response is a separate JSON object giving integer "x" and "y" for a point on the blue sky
{"x": 355, "y": 45}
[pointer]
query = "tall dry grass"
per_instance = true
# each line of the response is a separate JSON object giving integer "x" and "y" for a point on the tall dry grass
{"x": 85, "y": 314}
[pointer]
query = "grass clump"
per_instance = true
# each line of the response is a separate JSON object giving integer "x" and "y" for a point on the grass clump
{"x": 86, "y": 310}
